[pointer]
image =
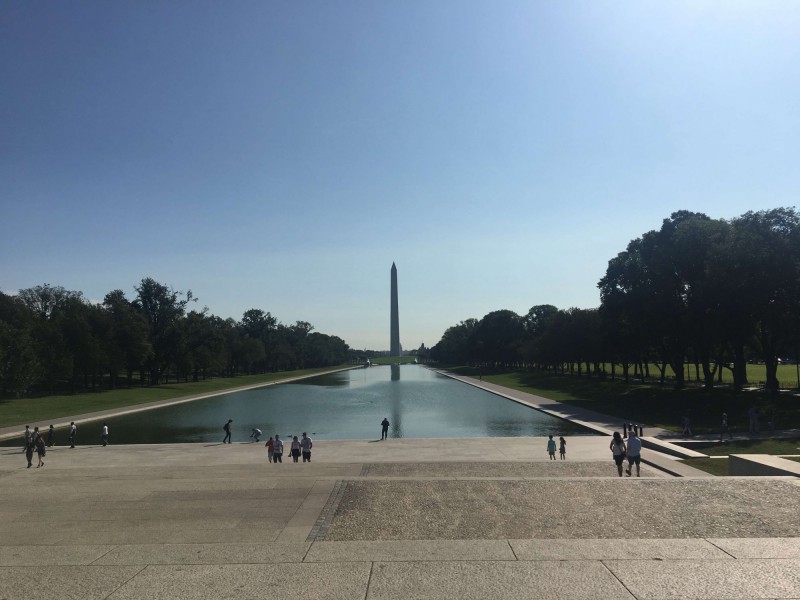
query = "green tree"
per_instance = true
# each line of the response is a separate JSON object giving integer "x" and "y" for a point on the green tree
{"x": 162, "y": 308}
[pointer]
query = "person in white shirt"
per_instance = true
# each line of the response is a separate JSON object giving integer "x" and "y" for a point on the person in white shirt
{"x": 277, "y": 450}
{"x": 305, "y": 446}
{"x": 256, "y": 434}
{"x": 104, "y": 434}
{"x": 634, "y": 453}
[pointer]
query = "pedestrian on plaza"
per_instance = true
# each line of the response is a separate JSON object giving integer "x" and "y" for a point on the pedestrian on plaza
{"x": 551, "y": 448}
{"x": 634, "y": 453}
{"x": 73, "y": 431}
{"x": 270, "y": 447}
{"x": 227, "y": 429}
{"x": 29, "y": 452}
{"x": 51, "y": 437}
{"x": 617, "y": 447}
{"x": 104, "y": 435}
{"x": 41, "y": 450}
{"x": 305, "y": 445}
{"x": 562, "y": 448}
{"x": 277, "y": 450}
{"x": 35, "y": 435}
{"x": 384, "y": 428}
{"x": 687, "y": 426}
{"x": 256, "y": 434}
{"x": 752, "y": 416}
{"x": 27, "y": 440}
{"x": 295, "y": 449}
{"x": 725, "y": 428}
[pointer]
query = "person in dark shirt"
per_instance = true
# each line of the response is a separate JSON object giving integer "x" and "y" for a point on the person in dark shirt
{"x": 384, "y": 428}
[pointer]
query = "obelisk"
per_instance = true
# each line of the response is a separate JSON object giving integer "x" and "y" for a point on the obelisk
{"x": 394, "y": 337}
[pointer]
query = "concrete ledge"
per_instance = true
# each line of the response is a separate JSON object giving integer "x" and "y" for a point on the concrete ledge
{"x": 760, "y": 465}
{"x": 670, "y": 465}
{"x": 669, "y": 448}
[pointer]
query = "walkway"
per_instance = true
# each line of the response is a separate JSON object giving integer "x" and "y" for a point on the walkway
{"x": 436, "y": 519}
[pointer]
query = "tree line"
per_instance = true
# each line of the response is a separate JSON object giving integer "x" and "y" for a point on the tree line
{"x": 52, "y": 339}
{"x": 712, "y": 293}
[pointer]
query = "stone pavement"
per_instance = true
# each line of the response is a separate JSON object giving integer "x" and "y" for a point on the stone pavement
{"x": 383, "y": 520}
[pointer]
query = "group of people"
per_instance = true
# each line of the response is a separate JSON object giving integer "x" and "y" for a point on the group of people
{"x": 297, "y": 446}
{"x": 562, "y": 447}
{"x": 36, "y": 442}
{"x": 632, "y": 451}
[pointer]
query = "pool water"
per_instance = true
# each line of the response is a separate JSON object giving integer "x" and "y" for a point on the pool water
{"x": 418, "y": 403}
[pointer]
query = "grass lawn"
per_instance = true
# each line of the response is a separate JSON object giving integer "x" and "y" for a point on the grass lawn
{"x": 20, "y": 411}
{"x": 756, "y": 374}
{"x": 760, "y": 446}
{"x": 715, "y": 466}
{"x": 652, "y": 404}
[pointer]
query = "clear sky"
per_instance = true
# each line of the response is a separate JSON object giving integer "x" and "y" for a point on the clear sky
{"x": 282, "y": 154}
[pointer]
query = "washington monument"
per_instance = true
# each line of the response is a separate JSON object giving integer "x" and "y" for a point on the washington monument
{"x": 394, "y": 338}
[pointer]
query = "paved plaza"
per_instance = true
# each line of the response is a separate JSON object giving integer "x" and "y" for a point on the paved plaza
{"x": 398, "y": 519}
{"x": 384, "y": 520}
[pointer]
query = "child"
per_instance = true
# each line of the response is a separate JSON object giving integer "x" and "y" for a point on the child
{"x": 551, "y": 448}
{"x": 270, "y": 447}
{"x": 562, "y": 448}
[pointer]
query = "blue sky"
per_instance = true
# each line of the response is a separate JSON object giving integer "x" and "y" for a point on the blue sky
{"x": 281, "y": 155}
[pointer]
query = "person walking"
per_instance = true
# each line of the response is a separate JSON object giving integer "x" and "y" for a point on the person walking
{"x": 562, "y": 448}
{"x": 73, "y": 431}
{"x": 634, "y": 451}
{"x": 295, "y": 449}
{"x": 384, "y": 428}
{"x": 687, "y": 426}
{"x": 277, "y": 450}
{"x": 752, "y": 416}
{"x": 41, "y": 450}
{"x": 617, "y": 447}
{"x": 305, "y": 444}
{"x": 725, "y": 428}
{"x": 29, "y": 452}
{"x": 27, "y": 440}
{"x": 104, "y": 435}
{"x": 551, "y": 448}
{"x": 270, "y": 445}
{"x": 227, "y": 429}
{"x": 51, "y": 437}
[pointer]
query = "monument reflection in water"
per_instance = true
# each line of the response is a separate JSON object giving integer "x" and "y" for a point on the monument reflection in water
{"x": 418, "y": 402}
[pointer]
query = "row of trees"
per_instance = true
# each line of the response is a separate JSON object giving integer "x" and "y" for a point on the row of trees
{"x": 50, "y": 336}
{"x": 711, "y": 292}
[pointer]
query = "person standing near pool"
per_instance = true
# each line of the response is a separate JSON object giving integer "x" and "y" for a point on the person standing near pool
{"x": 277, "y": 450}
{"x": 305, "y": 445}
{"x": 562, "y": 448}
{"x": 551, "y": 448}
{"x": 41, "y": 450}
{"x": 73, "y": 431}
{"x": 227, "y": 429}
{"x": 295, "y": 449}
{"x": 270, "y": 445}
{"x": 104, "y": 435}
{"x": 384, "y": 428}
{"x": 51, "y": 436}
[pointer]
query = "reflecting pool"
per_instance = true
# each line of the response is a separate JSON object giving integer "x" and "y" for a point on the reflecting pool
{"x": 418, "y": 402}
